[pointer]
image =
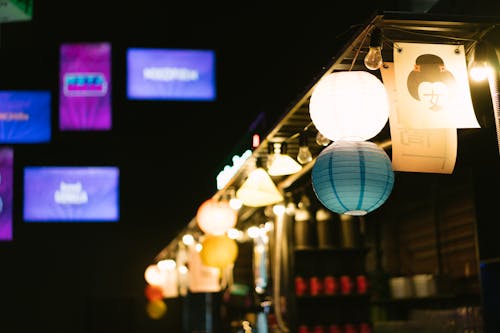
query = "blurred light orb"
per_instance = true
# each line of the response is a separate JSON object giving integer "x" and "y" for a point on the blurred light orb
{"x": 154, "y": 275}
{"x": 215, "y": 217}
{"x": 218, "y": 251}
{"x": 153, "y": 293}
{"x": 156, "y": 309}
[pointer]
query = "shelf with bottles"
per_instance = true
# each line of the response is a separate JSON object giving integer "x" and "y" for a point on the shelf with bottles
{"x": 330, "y": 286}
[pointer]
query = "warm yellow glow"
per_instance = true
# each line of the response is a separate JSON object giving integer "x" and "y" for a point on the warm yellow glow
{"x": 167, "y": 264}
{"x": 154, "y": 276}
{"x": 480, "y": 71}
{"x": 279, "y": 209}
{"x": 253, "y": 232}
{"x": 218, "y": 251}
{"x": 156, "y": 309}
{"x": 281, "y": 164}
{"x": 215, "y": 217}
{"x": 259, "y": 190}
{"x": 235, "y": 203}
{"x": 234, "y": 233}
{"x": 373, "y": 59}
{"x": 188, "y": 239}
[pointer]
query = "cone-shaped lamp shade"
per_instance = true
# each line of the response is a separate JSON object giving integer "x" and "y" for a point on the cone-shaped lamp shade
{"x": 350, "y": 105}
{"x": 279, "y": 163}
{"x": 259, "y": 190}
{"x": 352, "y": 177}
{"x": 282, "y": 165}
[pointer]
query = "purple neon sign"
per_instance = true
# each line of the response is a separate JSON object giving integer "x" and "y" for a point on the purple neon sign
{"x": 85, "y": 86}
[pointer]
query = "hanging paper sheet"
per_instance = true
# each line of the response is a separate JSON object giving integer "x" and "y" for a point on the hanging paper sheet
{"x": 432, "y": 86}
{"x": 417, "y": 149}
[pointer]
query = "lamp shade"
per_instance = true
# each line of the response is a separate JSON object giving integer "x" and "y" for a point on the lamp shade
{"x": 278, "y": 162}
{"x": 259, "y": 190}
{"x": 352, "y": 177}
{"x": 215, "y": 217}
{"x": 351, "y": 105}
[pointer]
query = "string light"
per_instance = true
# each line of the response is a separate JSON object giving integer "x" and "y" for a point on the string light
{"x": 304, "y": 156}
{"x": 479, "y": 68}
{"x": 373, "y": 59}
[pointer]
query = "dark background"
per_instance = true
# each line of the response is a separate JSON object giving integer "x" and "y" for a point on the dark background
{"x": 88, "y": 277}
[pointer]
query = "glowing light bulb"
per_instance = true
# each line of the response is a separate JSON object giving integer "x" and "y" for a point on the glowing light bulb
{"x": 322, "y": 140}
{"x": 479, "y": 68}
{"x": 304, "y": 156}
{"x": 480, "y": 71}
{"x": 188, "y": 239}
{"x": 373, "y": 59}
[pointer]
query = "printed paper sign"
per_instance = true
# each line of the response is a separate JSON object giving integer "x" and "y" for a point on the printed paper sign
{"x": 431, "y": 150}
{"x": 432, "y": 86}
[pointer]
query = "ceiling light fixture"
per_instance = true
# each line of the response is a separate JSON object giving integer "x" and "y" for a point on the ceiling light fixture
{"x": 278, "y": 162}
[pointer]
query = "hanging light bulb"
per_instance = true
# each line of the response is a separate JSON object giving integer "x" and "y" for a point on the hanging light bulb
{"x": 373, "y": 59}
{"x": 322, "y": 140}
{"x": 304, "y": 156}
{"x": 234, "y": 202}
{"x": 479, "y": 68}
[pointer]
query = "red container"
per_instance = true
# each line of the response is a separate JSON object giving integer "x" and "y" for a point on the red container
{"x": 361, "y": 284}
{"x": 346, "y": 285}
{"x": 315, "y": 286}
{"x": 301, "y": 286}
{"x": 330, "y": 285}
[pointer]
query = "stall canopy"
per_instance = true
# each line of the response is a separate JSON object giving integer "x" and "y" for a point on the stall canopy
{"x": 394, "y": 26}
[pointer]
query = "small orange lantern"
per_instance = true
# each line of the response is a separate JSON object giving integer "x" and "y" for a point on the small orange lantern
{"x": 153, "y": 293}
{"x": 218, "y": 251}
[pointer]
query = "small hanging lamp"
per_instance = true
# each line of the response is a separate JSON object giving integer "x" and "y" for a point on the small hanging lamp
{"x": 259, "y": 190}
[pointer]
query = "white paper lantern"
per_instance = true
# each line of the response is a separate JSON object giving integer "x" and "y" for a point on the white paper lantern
{"x": 215, "y": 217}
{"x": 154, "y": 275}
{"x": 349, "y": 105}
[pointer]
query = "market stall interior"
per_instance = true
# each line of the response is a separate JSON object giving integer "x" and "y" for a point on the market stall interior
{"x": 416, "y": 257}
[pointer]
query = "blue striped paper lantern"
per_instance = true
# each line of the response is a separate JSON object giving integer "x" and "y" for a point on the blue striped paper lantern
{"x": 352, "y": 177}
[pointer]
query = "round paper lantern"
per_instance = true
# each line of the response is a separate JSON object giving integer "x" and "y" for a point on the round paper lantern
{"x": 156, "y": 309}
{"x": 153, "y": 292}
{"x": 351, "y": 105}
{"x": 154, "y": 275}
{"x": 352, "y": 177}
{"x": 218, "y": 251}
{"x": 216, "y": 217}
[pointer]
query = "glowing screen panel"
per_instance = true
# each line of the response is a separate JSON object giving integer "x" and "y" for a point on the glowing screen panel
{"x": 70, "y": 193}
